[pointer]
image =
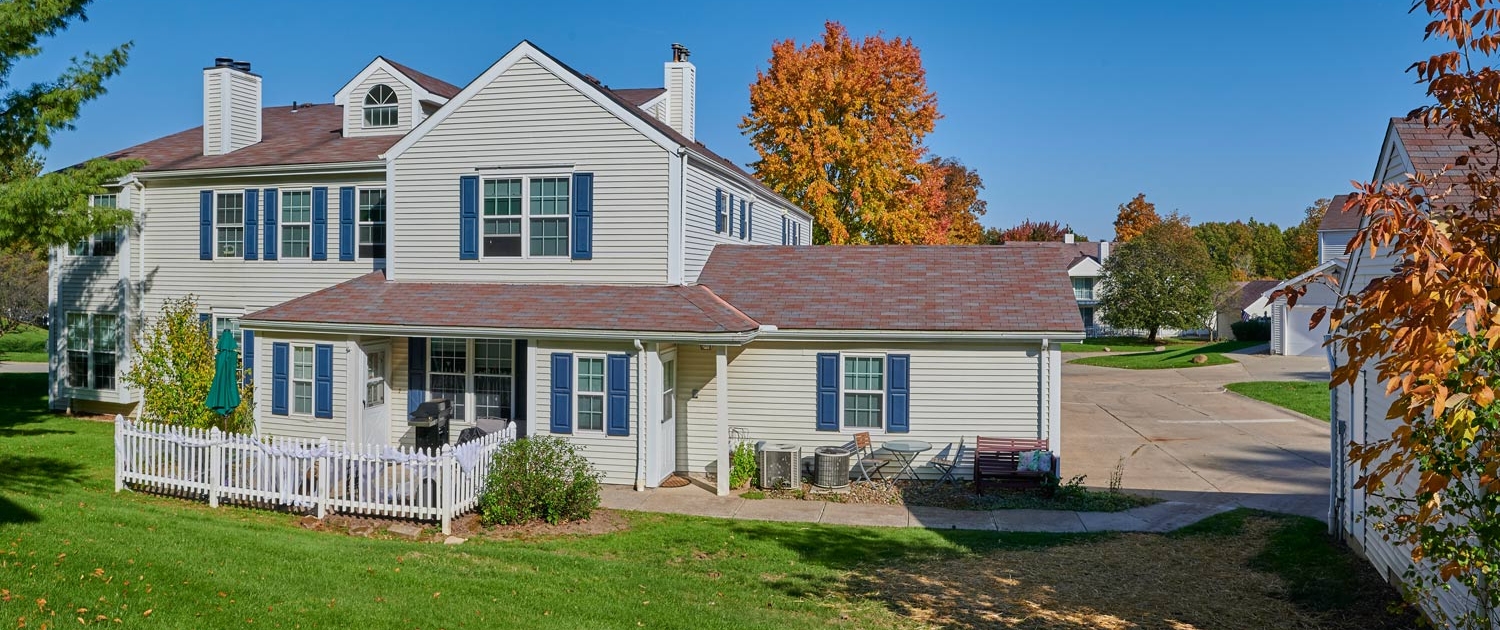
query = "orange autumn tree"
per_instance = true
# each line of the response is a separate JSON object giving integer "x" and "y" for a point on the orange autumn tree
{"x": 957, "y": 220}
{"x": 1135, "y": 217}
{"x": 1429, "y": 330}
{"x": 839, "y": 126}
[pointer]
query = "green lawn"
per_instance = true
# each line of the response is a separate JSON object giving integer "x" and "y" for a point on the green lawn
{"x": 1299, "y": 396}
{"x": 76, "y": 553}
{"x": 1172, "y": 357}
{"x": 27, "y": 345}
{"x": 1116, "y": 344}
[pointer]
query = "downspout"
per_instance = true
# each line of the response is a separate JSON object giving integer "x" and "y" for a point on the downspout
{"x": 640, "y": 416}
{"x": 1336, "y": 445}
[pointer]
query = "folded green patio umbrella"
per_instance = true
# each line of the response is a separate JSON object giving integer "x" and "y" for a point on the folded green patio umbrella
{"x": 224, "y": 394}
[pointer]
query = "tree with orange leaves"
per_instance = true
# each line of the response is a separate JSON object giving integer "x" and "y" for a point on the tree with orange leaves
{"x": 1134, "y": 218}
{"x": 839, "y": 126}
{"x": 1430, "y": 330}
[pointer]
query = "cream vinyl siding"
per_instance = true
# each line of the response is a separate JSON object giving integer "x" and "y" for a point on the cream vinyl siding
{"x": 613, "y": 455}
{"x": 302, "y": 425}
{"x": 531, "y": 119}
{"x": 1331, "y": 243}
{"x": 213, "y": 121}
{"x": 244, "y": 111}
{"x": 700, "y": 209}
{"x": 92, "y": 284}
{"x": 956, "y": 391}
{"x": 354, "y": 108}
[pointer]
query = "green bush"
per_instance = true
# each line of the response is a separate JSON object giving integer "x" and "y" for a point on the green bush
{"x": 1258, "y": 329}
{"x": 742, "y": 466}
{"x": 24, "y": 339}
{"x": 541, "y": 478}
{"x": 174, "y": 369}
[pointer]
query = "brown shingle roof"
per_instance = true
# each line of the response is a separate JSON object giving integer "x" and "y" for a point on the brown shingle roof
{"x": 897, "y": 287}
{"x": 310, "y": 134}
{"x": 1431, "y": 149}
{"x": 370, "y": 299}
{"x": 428, "y": 82}
{"x": 1249, "y": 292}
{"x": 1337, "y": 218}
{"x": 639, "y": 96}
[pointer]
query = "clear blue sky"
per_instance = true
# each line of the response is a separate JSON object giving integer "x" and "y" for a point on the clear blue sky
{"x": 1220, "y": 110}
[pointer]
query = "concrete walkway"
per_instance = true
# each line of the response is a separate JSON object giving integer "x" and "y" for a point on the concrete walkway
{"x": 11, "y": 366}
{"x": 697, "y": 501}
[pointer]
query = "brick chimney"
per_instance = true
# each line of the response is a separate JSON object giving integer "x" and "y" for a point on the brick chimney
{"x": 682, "y": 92}
{"x": 231, "y": 107}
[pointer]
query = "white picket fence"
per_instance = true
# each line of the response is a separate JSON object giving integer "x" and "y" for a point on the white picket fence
{"x": 318, "y": 475}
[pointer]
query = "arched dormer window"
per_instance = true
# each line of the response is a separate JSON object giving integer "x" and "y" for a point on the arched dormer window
{"x": 381, "y": 107}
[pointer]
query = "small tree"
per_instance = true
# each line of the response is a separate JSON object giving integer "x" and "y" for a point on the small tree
{"x": 1160, "y": 279}
{"x": 1135, "y": 217}
{"x": 1030, "y": 231}
{"x": 23, "y": 288}
{"x": 173, "y": 368}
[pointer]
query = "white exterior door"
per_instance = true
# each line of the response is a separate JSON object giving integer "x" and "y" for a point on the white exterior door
{"x": 665, "y": 458}
{"x": 375, "y": 408}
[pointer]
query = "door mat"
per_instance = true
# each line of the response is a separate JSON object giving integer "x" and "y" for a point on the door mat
{"x": 674, "y": 482}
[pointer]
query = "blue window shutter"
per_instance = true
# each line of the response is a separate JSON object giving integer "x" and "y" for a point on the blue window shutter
{"x": 269, "y": 200}
{"x": 783, "y": 230}
{"x": 247, "y": 356}
{"x": 280, "y": 355}
{"x": 583, "y": 216}
{"x": 617, "y": 408}
{"x": 522, "y": 386}
{"x": 744, "y": 221}
{"x": 323, "y": 380}
{"x": 718, "y": 209}
{"x": 729, "y": 217}
{"x": 898, "y": 393}
{"x": 252, "y": 215}
{"x": 562, "y": 392}
{"x": 205, "y": 319}
{"x": 205, "y": 225}
{"x": 320, "y": 223}
{"x": 347, "y": 241}
{"x": 416, "y": 372}
{"x": 828, "y": 391}
{"x": 468, "y": 217}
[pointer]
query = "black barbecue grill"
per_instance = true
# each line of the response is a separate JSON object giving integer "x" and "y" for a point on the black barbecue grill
{"x": 431, "y": 420}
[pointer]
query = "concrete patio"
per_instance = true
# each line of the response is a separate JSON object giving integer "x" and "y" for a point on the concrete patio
{"x": 697, "y": 501}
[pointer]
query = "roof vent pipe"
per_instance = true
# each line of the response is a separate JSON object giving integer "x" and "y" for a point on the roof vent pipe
{"x": 223, "y": 62}
{"x": 242, "y": 66}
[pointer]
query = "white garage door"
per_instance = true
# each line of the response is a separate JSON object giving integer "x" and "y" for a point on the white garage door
{"x": 1300, "y": 340}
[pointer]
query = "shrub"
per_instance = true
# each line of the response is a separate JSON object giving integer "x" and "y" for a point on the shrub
{"x": 742, "y": 466}
{"x": 1258, "y": 329}
{"x": 541, "y": 478}
{"x": 174, "y": 369}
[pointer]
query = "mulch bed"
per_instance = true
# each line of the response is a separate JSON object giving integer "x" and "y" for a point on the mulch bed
{"x": 962, "y": 497}
{"x": 467, "y": 526}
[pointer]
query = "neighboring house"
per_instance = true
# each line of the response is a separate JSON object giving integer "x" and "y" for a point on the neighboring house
{"x": 1359, "y": 409}
{"x": 538, "y": 247}
{"x": 1291, "y": 330}
{"x": 1247, "y": 301}
{"x": 1085, "y": 264}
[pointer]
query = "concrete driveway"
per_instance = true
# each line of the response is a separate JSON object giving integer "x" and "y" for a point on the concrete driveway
{"x": 1182, "y": 437}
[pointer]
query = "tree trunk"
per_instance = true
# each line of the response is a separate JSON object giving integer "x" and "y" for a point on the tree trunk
{"x": 1152, "y": 336}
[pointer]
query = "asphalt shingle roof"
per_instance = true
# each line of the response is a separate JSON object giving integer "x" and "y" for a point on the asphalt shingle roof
{"x": 309, "y": 134}
{"x": 1337, "y": 218}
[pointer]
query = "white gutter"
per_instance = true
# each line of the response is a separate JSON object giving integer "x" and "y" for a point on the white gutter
{"x": 641, "y": 459}
{"x": 735, "y": 338}
{"x": 337, "y": 168}
{"x": 771, "y": 333}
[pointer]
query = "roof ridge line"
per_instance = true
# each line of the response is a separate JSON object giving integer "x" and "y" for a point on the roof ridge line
{"x": 715, "y": 297}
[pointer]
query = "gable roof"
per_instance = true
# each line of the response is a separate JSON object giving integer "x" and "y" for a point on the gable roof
{"x": 638, "y": 96}
{"x": 309, "y": 134}
{"x": 1067, "y": 254}
{"x": 428, "y": 82}
{"x": 1248, "y": 293}
{"x": 1431, "y": 149}
{"x": 370, "y": 300}
{"x": 896, "y": 287}
{"x": 1337, "y": 217}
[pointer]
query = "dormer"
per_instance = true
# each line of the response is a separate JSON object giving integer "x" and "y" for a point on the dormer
{"x": 387, "y": 98}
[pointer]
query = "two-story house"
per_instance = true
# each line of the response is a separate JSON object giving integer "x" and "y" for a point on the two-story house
{"x": 538, "y": 247}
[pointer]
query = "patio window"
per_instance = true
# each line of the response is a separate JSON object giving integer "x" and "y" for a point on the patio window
{"x": 448, "y": 373}
{"x": 105, "y": 243}
{"x": 864, "y": 392}
{"x": 476, "y": 374}
{"x": 1083, "y": 288}
{"x": 372, "y": 223}
{"x": 296, "y": 224}
{"x": 382, "y": 108}
{"x": 302, "y": 379}
{"x": 493, "y": 373}
{"x": 590, "y": 393}
{"x": 549, "y": 216}
{"x": 92, "y": 352}
{"x": 229, "y": 224}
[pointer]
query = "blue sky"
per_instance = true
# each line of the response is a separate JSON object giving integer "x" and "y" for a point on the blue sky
{"x": 1220, "y": 110}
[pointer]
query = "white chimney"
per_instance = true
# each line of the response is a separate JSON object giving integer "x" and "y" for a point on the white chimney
{"x": 682, "y": 92}
{"x": 1069, "y": 237}
{"x": 1103, "y": 251}
{"x": 231, "y": 107}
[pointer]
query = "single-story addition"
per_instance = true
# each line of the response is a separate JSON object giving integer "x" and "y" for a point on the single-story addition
{"x": 1247, "y": 301}
{"x": 792, "y": 344}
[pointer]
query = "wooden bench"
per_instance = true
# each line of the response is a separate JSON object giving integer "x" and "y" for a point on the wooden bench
{"x": 997, "y": 461}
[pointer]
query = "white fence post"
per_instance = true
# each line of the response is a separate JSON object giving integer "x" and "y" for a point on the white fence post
{"x": 323, "y": 464}
{"x": 447, "y": 478}
{"x": 119, "y": 452}
{"x": 215, "y": 465}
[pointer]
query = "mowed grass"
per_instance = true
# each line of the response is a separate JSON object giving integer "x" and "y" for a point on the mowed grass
{"x": 75, "y": 553}
{"x": 1171, "y": 358}
{"x": 1299, "y": 396}
{"x": 26, "y": 345}
{"x": 1116, "y": 344}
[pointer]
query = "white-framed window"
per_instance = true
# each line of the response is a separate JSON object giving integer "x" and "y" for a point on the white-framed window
{"x": 588, "y": 393}
{"x": 381, "y": 107}
{"x": 550, "y": 211}
{"x": 863, "y": 395}
{"x": 526, "y": 216}
{"x": 668, "y": 389}
{"x": 302, "y": 379}
{"x": 371, "y": 220}
{"x": 478, "y": 375}
{"x": 1083, "y": 288}
{"x": 1087, "y": 313}
{"x": 501, "y": 212}
{"x": 93, "y": 350}
{"x": 296, "y": 224}
{"x": 105, "y": 243}
{"x": 229, "y": 224}
{"x": 231, "y": 324}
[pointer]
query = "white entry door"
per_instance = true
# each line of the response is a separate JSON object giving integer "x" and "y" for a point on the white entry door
{"x": 375, "y": 410}
{"x": 666, "y": 428}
